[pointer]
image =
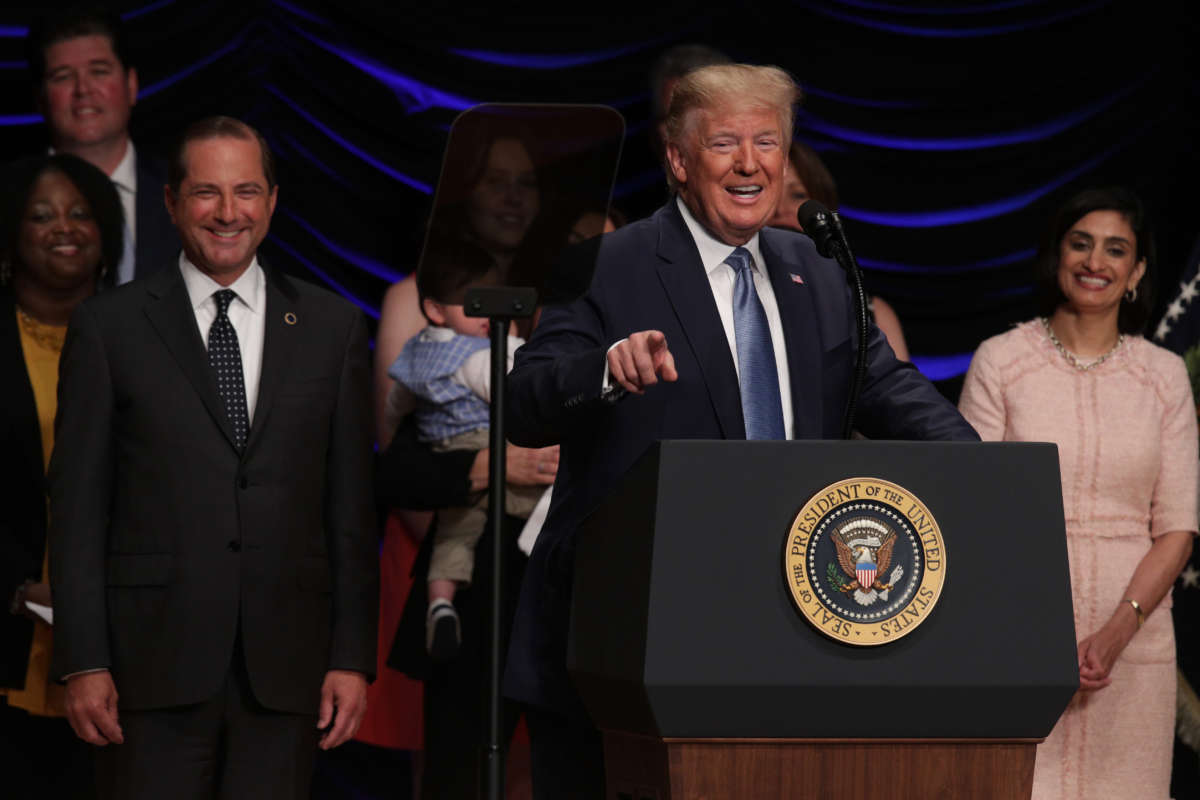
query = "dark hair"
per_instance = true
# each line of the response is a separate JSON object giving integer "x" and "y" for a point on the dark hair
{"x": 217, "y": 128}
{"x": 72, "y": 23}
{"x": 675, "y": 62}
{"x": 449, "y": 265}
{"x": 472, "y": 138}
{"x": 1133, "y": 315}
{"x": 606, "y": 215}
{"x": 93, "y": 184}
{"x": 813, "y": 173}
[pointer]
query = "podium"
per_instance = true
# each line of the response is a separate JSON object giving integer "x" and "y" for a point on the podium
{"x": 707, "y": 682}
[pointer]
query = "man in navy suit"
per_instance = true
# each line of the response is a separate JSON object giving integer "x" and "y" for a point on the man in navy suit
{"x": 86, "y": 88}
{"x": 698, "y": 324}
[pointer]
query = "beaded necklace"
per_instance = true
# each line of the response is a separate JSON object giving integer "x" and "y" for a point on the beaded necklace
{"x": 50, "y": 337}
{"x": 1074, "y": 360}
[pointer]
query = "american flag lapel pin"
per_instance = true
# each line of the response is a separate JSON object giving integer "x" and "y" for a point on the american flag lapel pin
{"x": 796, "y": 278}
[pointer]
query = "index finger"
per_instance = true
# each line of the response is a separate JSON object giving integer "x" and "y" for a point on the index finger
{"x": 667, "y": 370}
{"x": 655, "y": 339}
{"x": 662, "y": 361}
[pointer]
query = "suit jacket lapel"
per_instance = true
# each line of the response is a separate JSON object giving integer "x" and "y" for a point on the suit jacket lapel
{"x": 800, "y": 335}
{"x": 279, "y": 341}
{"x": 690, "y": 295}
{"x": 170, "y": 312}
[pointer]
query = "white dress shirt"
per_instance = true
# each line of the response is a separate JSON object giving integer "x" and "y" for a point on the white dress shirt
{"x": 124, "y": 177}
{"x": 721, "y": 276}
{"x": 247, "y": 313}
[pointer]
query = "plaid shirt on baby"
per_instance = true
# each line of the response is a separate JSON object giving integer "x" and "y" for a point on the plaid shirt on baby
{"x": 445, "y": 407}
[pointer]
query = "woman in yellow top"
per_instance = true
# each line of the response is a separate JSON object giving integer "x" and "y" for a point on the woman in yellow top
{"x": 61, "y": 224}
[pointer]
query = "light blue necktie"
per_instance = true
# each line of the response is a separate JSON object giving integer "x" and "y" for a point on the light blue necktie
{"x": 757, "y": 374}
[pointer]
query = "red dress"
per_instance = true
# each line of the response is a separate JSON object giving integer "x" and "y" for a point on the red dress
{"x": 395, "y": 716}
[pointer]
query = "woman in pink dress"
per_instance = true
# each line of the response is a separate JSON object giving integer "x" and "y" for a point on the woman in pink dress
{"x": 1121, "y": 411}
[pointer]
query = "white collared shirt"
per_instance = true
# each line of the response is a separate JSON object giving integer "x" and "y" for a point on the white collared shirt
{"x": 247, "y": 313}
{"x": 124, "y": 177}
{"x": 713, "y": 253}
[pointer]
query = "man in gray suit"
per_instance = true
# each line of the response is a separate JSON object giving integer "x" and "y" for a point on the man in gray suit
{"x": 213, "y": 553}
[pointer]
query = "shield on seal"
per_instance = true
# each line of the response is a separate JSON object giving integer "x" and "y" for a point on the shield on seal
{"x": 865, "y": 572}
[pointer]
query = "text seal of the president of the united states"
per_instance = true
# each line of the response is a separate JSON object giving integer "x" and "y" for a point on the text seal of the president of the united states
{"x": 865, "y": 561}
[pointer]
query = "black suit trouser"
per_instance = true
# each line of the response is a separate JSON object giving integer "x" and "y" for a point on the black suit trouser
{"x": 566, "y": 757}
{"x": 228, "y": 747}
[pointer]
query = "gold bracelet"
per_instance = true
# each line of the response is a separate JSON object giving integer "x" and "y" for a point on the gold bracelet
{"x": 1137, "y": 609}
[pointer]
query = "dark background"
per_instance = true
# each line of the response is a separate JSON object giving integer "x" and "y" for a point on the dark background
{"x": 953, "y": 129}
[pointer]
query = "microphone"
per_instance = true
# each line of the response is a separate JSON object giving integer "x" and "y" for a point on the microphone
{"x": 822, "y": 226}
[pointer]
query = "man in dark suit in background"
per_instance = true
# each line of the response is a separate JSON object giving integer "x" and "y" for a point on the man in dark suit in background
{"x": 671, "y": 65}
{"x": 86, "y": 88}
{"x": 750, "y": 333}
{"x": 213, "y": 556}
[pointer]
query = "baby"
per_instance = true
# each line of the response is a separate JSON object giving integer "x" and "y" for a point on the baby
{"x": 447, "y": 369}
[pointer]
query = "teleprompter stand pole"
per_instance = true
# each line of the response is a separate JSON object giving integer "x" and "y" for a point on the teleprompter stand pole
{"x": 501, "y": 305}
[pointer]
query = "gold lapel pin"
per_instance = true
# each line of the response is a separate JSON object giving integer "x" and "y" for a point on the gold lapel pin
{"x": 289, "y": 318}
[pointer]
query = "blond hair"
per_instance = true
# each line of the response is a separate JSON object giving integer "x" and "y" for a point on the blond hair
{"x": 729, "y": 87}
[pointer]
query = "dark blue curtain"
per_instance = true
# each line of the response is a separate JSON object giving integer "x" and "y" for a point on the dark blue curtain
{"x": 952, "y": 128}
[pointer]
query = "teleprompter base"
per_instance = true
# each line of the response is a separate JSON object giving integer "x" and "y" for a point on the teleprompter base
{"x": 647, "y": 768}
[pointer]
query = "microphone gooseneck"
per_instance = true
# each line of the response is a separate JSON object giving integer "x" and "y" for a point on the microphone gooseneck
{"x": 824, "y": 227}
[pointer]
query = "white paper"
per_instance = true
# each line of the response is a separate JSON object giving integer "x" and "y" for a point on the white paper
{"x": 45, "y": 612}
{"x": 533, "y": 525}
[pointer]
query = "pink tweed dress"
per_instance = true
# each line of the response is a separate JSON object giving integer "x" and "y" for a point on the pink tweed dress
{"x": 1127, "y": 450}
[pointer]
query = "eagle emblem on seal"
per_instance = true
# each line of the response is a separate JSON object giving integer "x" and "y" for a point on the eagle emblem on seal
{"x": 864, "y": 552}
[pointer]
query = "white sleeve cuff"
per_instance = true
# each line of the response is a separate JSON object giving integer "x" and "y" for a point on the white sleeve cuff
{"x": 606, "y": 385}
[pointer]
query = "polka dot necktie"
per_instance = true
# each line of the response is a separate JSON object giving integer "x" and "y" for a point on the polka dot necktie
{"x": 225, "y": 357}
{"x": 758, "y": 377}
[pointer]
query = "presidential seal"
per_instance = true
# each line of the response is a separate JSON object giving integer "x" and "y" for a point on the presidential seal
{"x": 865, "y": 561}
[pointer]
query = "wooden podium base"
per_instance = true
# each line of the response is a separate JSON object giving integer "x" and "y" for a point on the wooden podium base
{"x": 646, "y": 768}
